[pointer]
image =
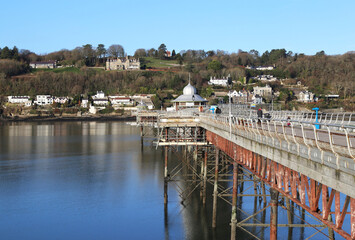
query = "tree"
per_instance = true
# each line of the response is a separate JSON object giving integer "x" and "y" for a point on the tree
{"x": 211, "y": 53}
{"x": 254, "y": 53}
{"x": 179, "y": 58}
{"x": 139, "y": 53}
{"x": 6, "y": 53}
{"x": 214, "y": 65}
{"x": 116, "y": 50}
{"x": 89, "y": 55}
{"x": 161, "y": 50}
{"x": 14, "y": 53}
{"x": 101, "y": 50}
{"x": 321, "y": 53}
{"x": 151, "y": 52}
{"x": 173, "y": 53}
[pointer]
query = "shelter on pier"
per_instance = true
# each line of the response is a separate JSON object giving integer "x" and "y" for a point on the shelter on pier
{"x": 189, "y": 99}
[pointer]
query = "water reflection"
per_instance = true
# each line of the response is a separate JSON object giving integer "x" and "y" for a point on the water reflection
{"x": 94, "y": 180}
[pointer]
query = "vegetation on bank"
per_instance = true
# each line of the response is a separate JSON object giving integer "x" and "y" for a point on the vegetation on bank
{"x": 323, "y": 74}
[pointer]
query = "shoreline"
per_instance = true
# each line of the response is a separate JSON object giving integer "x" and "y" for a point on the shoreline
{"x": 68, "y": 118}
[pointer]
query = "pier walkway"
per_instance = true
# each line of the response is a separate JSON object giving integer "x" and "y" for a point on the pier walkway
{"x": 313, "y": 168}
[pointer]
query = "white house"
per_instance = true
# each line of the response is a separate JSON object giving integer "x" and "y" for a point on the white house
{"x": 43, "y": 100}
{"x": 23, "y": 100}
{"x": 240, "y": 96}
{"x": 263, "y": 91}
{"x": 100, "y": 98}
{"x": 305, "y": 96}
{"x": 121, "y": 100}
{"x": 261, "y": 68}
{"x": 268, "y": 78}
{"x": 61, "y": 100}
{"x": 99, "y": 95}
{"x": 224, "y": 81}
{"x": 47, "y": 64}
{"x": 100, "y": 101}
{"x": 84, "y": 102}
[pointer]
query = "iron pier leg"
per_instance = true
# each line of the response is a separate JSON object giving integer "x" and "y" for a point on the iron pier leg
{"x": 234, "y": 201}
{"x": 166, "y": 178}
{"x": 273, "y": 213}
{"x": 201, "y": 179}
{"x": 289, "y": 217}
{"x": 194, "y": 170}
{"x": 215, "y": 191}
{"x": 205, "y": 179}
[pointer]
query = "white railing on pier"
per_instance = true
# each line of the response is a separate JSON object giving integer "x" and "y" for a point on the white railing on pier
{"x": 302, "y": 138}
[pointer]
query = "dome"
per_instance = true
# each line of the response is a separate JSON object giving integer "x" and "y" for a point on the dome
{"x": 189, "y": 90}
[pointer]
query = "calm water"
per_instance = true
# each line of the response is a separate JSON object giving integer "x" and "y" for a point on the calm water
{"x": 88, "y": 181}
{"x": 91, "y": 180}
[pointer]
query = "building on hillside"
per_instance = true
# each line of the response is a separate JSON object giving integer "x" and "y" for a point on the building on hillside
{"x": 269, "y": 78}
{"x": 145, "y": 99}
{"x": 257, "y": 99}
{"x": 60, "y": 100}
{"x": 261, "y": 68}
{"x": 84, "y": 103}
{"x": 263, "y": 91}
{"x": 100, "y": 98}
{"x": 224, "y": 81}
{"x": 189, "y": 99}
{"x": 126, "y": 63}
{"x": 43, "y": 100}
{"x": 240, "y": 97}
{"x": 305, "y": 96}
{"x": 18, "y": 99}
{"x": 99, "y": 95}
{"x": 122, "y": 100}
{"x": 167, "y": 54}
{"x": 44, "y": 64}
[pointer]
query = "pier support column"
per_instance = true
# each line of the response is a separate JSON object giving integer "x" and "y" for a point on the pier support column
{"x": 194, "y": 170}
{"x": 205, "y": 179}
{"x": 273, "y": 213}
{"x": 215, "y": 191}
{"x": 166, "y": 178}
{"x": 234, "y": 201}
{"x": 201, "y": 177}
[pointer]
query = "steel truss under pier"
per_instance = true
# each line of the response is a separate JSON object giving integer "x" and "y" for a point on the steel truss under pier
{"x": 313, "y": 197}
{"x": 181, "y": 135}
{"x": 231, "y": 183}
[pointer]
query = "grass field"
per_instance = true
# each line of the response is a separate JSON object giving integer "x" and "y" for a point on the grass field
{"x": 158, "y": 63}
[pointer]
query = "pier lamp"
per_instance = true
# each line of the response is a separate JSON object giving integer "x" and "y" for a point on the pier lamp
{"x": 317, "y": 125}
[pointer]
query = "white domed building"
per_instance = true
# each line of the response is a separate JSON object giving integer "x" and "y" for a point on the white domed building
{"x": 189, "y": 99}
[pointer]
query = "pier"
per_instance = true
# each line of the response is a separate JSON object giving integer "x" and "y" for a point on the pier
{"x": 297, "y": 164}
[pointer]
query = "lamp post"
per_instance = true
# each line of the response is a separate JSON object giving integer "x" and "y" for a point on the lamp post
{"x": 230, "y": 114}
{"x": 317, "y": 125}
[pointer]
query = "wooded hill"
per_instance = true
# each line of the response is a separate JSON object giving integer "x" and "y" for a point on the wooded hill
{"x": 323, "y": 74}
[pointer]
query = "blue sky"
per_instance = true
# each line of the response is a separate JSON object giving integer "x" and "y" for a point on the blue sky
{"x": 302, "y": 26}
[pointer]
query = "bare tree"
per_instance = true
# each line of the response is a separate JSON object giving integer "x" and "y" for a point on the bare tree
{"x": 116, "y": 50}
{"x": 141, "y": 52}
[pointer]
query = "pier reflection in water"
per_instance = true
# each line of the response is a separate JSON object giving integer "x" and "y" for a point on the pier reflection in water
{"x": 93, "y": 180}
